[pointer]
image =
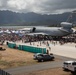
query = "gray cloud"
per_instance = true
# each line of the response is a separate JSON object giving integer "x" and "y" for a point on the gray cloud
{"x": 42, "y": 6}
{"x": 3, "y": 4}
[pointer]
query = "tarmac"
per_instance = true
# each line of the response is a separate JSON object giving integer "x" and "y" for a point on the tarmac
{"x": 66, "y": 50}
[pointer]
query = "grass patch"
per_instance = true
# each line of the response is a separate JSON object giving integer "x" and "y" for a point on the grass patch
{"x": 0, "y": 56}
{"x": 5, "y": 64}
{"x": 12, "y": 64}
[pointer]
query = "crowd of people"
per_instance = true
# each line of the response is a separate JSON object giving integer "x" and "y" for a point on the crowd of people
{"x": 14, "y": 37}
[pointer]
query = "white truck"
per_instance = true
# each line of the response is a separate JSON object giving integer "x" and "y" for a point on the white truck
{"x": 70, "y": 66}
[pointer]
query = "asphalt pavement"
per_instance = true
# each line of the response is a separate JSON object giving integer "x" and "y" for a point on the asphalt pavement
{"x": 37, "y": 67}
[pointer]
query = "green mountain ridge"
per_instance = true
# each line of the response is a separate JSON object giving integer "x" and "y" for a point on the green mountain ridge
{"x": 13, "y": 18}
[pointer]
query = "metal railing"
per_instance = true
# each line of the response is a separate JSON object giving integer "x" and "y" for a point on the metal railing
{"x": 2, "y": 72}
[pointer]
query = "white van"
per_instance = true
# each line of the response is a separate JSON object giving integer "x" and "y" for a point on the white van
{"x": 70, "y": 66}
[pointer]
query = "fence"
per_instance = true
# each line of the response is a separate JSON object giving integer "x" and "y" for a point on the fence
{"x": 2, "y": 72}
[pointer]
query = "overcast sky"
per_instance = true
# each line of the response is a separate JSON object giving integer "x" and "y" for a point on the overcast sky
{"x": 38, "y": 6}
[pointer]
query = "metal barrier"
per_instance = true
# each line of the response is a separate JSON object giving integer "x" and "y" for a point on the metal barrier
{"x": 2, "y": 72}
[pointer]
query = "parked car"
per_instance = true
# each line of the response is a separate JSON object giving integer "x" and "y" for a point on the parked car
{"x": 36, "y": 55}
{"x": 44, "y": 57}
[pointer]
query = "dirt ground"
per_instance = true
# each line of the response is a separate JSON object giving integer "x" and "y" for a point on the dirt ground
{"x": 14, "y": 54}
{"x": 12, "y": 58}
{"x": 54, "y": 71}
